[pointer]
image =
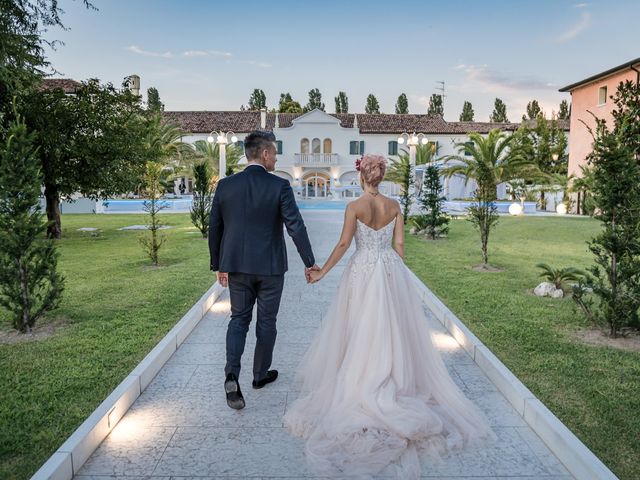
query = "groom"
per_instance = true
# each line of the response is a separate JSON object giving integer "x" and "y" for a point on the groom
{"x": 246, "y": 243}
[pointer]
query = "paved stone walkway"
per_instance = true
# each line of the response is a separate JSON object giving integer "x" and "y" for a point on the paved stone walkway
{"x": 180, "y": 427}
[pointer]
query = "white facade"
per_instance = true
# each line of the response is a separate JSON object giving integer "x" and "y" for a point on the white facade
{"x": 317, "y": 159}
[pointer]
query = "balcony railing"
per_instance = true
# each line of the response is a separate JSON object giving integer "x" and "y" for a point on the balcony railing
{"x": 316, "y": 159}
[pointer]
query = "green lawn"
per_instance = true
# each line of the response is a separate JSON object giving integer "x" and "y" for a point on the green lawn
{"x": 594, "y": 390}
{"x": 115, "y": 309}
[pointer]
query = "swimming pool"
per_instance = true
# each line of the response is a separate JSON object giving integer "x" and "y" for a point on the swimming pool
{"x": 182, "y": 205}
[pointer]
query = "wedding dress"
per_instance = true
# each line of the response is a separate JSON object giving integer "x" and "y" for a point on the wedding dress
{"x": 375, "y": 391}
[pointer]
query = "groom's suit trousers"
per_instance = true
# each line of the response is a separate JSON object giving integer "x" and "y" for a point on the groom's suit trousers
{"x": 244, "y": 290}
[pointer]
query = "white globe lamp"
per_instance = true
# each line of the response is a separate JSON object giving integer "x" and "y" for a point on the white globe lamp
{"x": 515, "y": 209}
{"x": 561, "y": 209}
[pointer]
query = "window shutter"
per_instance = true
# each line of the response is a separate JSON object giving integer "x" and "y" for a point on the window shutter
{"x": 361, "y": 152}
{"x": 240, "y": 145}
{"x": 352, "y": 148}
{"x": 393, "y": 147}
{"x": 279, "y": 146}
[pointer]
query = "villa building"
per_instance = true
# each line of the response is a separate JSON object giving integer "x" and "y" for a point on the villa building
{"x": 317, "y": 150}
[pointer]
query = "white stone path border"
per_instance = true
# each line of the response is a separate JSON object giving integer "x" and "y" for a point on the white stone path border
{"x": 73, "y": 453}
{"x": 576, "y": 457}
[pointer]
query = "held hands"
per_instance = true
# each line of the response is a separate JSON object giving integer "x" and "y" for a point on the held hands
{"x": 315, "y": 271}
{"x": 223, "y": 279}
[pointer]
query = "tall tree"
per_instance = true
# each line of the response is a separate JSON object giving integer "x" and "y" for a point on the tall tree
{"x": 400, "y": 172}
{"x": 153, "y": 190}
{"x": 489, "y": 161}
{"x": 29, "y": 283}
{"x": 615, "y": 168}
{"x": 533, "y": 110}
{"x": 342, "y": 103}
{"x": 499, "y": 114}
{"x": 435, "y": 105}
{"x": 94, "y": 142}
{"x": 288, "y": 105}
{"x": 315, "y": 101}
{"x": 402, "y": 105}
{"x": 202, "y": 197}
{"x": 153, "y": 101}
{"x": 563, "y": 113}
{"x": 372, "y": 105}
{"x": 432, "y": 200}
{"x": 22, "y": 60}
{"x": 257, "y": 100}
{"x": 467, "y": 112}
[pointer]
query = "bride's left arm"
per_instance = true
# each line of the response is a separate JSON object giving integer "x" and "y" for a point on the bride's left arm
{"x": 398, "y": 235}
{"x": 348, "y": 231}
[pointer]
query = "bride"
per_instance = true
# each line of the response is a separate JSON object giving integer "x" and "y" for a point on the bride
{"x": 375, "y": 391}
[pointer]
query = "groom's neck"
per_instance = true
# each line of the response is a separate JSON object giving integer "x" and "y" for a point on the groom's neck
{"x": 254, "y": 162}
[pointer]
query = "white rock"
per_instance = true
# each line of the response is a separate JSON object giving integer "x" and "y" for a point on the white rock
{"x": 557, "y": 293}
{"x": 544, "y": 289}
{"x": 88, "y": 229}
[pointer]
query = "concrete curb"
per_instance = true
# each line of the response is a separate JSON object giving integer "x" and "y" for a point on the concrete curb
{"x": 75, "y": 451}
{"x": 576, "y": 457}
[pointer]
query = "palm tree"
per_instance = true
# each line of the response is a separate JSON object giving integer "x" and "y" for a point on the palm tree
{"x": 210, "y": 152}
{"x": 558, "y": 276}
{"x": 165, "y": 140}
{"x": 489, "y": 161}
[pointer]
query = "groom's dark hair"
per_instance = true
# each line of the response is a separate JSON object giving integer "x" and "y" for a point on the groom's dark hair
{"x": 256, "y": 142}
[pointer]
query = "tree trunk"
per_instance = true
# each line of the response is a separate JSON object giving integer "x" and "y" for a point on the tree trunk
{"x": 52, "y": 197}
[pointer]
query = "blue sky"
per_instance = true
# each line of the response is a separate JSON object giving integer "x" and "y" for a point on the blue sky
{"x": 210, "y": 55}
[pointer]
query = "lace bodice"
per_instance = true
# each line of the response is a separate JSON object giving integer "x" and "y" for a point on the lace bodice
{"x": 369, "y": 239}
{"x": 373, "y": 246}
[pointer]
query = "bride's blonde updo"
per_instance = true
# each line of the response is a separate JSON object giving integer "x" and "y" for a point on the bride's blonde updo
{"x": 372, "y": 168}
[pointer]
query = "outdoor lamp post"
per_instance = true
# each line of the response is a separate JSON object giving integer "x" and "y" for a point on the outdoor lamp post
{"x": 222, "y": 139}
{"x": 412, "y": 141}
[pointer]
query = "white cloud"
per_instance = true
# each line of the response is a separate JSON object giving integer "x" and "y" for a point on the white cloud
{"x": 574, "y": 31}
{"x": 146, "y": 53}
{"x": 257, "y": 64}
{"x": 206, "y": 53}
{"x": 581, "y": 5}
{"x": 481, "y": 77}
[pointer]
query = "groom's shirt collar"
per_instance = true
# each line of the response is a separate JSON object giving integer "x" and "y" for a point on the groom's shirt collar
{"x": 257, "y": 165}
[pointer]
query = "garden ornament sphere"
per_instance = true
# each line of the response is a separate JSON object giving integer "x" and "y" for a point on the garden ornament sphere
{"x": 561, "y": 209}
{"x": 515, "y": 209}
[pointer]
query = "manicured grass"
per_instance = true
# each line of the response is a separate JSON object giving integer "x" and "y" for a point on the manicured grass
{"x": 594, "y": 390}
{"x": 116, "y": 308}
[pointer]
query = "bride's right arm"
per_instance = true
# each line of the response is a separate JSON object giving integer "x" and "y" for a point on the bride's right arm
{"x": 348, "y": 231}
{"x": 398, "y": 235}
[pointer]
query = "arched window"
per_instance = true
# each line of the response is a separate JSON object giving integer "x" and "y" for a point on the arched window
{"x": 327, "y": 145}
{"x": 315, "y": 145}
{"x": 304, "y": 145}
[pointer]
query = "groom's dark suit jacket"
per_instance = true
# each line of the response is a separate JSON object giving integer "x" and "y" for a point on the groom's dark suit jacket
{"x": 246, "y": 224}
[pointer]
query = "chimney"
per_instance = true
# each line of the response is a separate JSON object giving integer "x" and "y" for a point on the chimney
{"x": 134, "y": 84}
{"x": 277, "y": 125}
{"x": 263, "y": 118}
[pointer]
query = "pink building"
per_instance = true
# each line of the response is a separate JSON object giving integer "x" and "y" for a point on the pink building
{"x": 593, "y": 95}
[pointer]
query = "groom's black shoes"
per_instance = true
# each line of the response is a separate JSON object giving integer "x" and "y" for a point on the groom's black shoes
{"x": 271, "y": 377}
{"x": 234, "y": 396}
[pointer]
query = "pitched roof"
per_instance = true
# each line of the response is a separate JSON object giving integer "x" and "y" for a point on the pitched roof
{"x": 68, "y": 85}
{"x": 625, "y": 66}
{"x": 238, "y": 122}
